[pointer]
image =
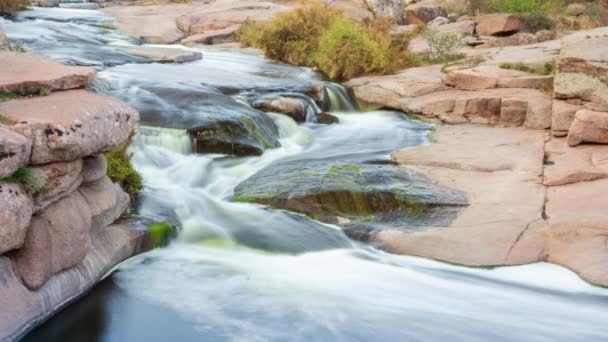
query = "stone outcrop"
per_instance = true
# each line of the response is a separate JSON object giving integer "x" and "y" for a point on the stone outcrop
{"x": 491, "y": 76}
{"x": 294, "y": 107}
{"x": 164, "y": 55}
{"x": 497, "y": 24}
{"x": 588, "y": 126}
{"x": 389, "y": 8}
{"x": 212, "y": 37}
{"x": 57, "y": 206}
{"x": 424, "y": 12}
{"x": 562, "y": 115}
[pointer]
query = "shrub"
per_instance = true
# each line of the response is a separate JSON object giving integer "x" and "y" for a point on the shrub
{"x": 9, "y": 7}
{"x": 321, "y": 37}
{"x": 547, "y": 68}
{"x": 537, "y": 21}
{"x": 121, "y": 170}
{"x": 443, "y": 47}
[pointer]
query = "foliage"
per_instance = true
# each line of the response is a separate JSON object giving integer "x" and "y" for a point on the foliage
{"x": 6, "y": 121}
{"x": 9, "y": 7}
{"x": 536, "y": 21}
{"x": 547, "y": 69}
{"x": 159, "y": 233}
{"x": 32, "y": 184}
{"x": 321, "y": 37}
{"x": 121, "y": 170}
{"x": 525, "y": 6}
{"x": 443, "y": 47}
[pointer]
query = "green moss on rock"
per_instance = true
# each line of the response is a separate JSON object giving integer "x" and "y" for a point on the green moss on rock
{"x": 121, "y": 170}
{"x": 159, "y": 233}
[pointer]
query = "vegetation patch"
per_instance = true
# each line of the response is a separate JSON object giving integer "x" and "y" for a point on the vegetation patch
{"x": 159, "y": 233}
{"x": 321, "y": 37}
{"x": 545, "y": 70}
{"x": 7, "y": 96}
{"x": 443, "y": 47}
{"x": 32, "y": 184}
{"x": 121, "y": 170}
{"x": 7, "y": 121}
{"x": 9, "y": 7}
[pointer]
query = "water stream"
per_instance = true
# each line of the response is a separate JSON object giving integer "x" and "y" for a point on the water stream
{"x": 245, "y": 272}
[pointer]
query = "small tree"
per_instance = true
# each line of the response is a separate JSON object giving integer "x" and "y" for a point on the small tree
{"x": 443, "y": 47}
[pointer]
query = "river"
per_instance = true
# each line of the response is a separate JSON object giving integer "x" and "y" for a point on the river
{"x": 245, "y": 272}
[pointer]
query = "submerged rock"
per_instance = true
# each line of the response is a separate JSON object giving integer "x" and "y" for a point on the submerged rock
{"x": 164, "y": 55}
{"x": 361, "y": 192}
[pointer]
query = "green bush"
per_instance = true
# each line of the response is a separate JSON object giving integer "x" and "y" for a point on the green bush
{"x": 319, "y": 36}
{"x": 443, "y": 47}
{"x": 121, "y": 170}
{"x": 9, "y": 7}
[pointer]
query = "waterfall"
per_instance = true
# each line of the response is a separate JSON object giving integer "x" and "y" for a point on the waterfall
{"x": 340, "y": 98}
{"x": 176, "y": 140}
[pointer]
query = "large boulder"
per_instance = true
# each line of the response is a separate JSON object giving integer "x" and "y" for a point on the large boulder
{"x": 55, "y": 181}
{"x": 164, "y": 55}
{"x": 388, "y": 8}
{"x": 498, "y": 24}
{"x": 57, "y": 239}
{"x": 107, "y": 201}
{"x": 359, "y": 192}
{"x": 424, "y": 12}
{"x": 588, "y": 126}
{"x": 562, "y": 115}
{"x": 35, "y": 74}
{"x": 16, "y": 210}
{"x": 491, "y": 76}
{"x": 14, "y": 151}
{"x": 62, "y": 129}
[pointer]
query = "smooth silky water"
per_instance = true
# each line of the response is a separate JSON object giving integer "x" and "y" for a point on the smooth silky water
{"x": 244, "y": 272}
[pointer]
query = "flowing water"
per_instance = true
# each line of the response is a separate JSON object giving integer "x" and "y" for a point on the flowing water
{"x": 244, "y": 272}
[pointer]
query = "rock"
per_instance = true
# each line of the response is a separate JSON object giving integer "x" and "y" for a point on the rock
{"x": 225, "y": 35}
{"x": 57, "y": 180}
{"x": 3, "y": 37}
{"x": 572, "y": 165}
{"x": 15, "y": 151}
{"x": 575, "y": 9}
{"x": 389, "y": 90}
{"x": 57, "y": 239}
{"x": 577, "y": 229}
{"x": 576, "y": 86}
{"x": 389, "y": 8}
{"x": 498, "y": 24}
{"x": 545, "y": 35}
{"x": 109, "y": 247}
{"x": 154, "y": 24}
{"x": 534, "y": 55}
{"x": 352, "y": 191}
{"x": 164, "y": 55}
{"x": 16, "y": 209}
{"x": 107, "y": 201}
{"x": 600, "y": 97}
{"x": 501, "y": 226}
{"x": 63, "y": 129}
{"x": 32, "y": 74}
{"x": 585, "y": 52}
{"x": 80, "y": 5}
{"x": 588, "y": 126}
{"x": 94, "y": 168}
{"x": 438, "y": 22}
{"x": 484, "y": 107}
{"x": 326, "y": 118}
{"x": 522, "y": 38}
{"x": 424, "y": 12}
{"x": 562, "y": 115}
{"x": 296, "y": 108}
{"x": 490, "y": 76}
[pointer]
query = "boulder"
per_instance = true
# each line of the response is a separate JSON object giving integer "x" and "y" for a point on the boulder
{"x": 3, "y": 37}
{"x": 424, "y": 12}
{"x": 296, "y": 108}
{"x": 15, "y": 151}
{"x": 588, "y": 126}
{"x": 568, "y": 165}
{"x": 491, "y": 76}
{"x": 600, "y": 97}
{"x": 16, "y": 208}
{"x": 585, "y": 52}
{"x": 357, "y": 192}
{"x": 225, "y": 35}
{"x": 94, "y": 168}
{"x": 62, "y": 129}
{"x": 438, "y": 22}
{"x": 388, "y": 8}
{"x": 498, "y": 24}
{"x": 151, "y": 24}
{"x": 107, "y": 201}
{"x": 562, "y": 115}
{"x": 545, "y": 35}
{"x": 56, "y": 180}
{"x": 35, "y": 74}
{"x": 57, "y": 239}
{"x": 576, "y": 86}
{"x": 521, "y": 38}
{"x": 164, "y": 55}
{"x": 575, "y": 9}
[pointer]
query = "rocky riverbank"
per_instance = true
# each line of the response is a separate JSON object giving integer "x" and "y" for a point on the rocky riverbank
{"x": 59, "y": 232}
{"x": 535, "y": 194}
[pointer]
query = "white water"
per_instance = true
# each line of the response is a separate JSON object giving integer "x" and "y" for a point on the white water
{"x": 243, "y": 272}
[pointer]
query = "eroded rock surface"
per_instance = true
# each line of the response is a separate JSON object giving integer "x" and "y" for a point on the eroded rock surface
{"x": 16, "y": 208}
{"x": 15, "y": 151}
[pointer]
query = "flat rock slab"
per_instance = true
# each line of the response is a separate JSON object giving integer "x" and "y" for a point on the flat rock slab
{"x": 533, "y": 55}
{"x": 492, "y": 76}
{"x": 574, "y": 164}
{"x": 71, "y": 124}
{"x": 585, "y": 52}
{"x": 164, "y": 55}
{"x": 29, "y": 73}
{"x": 498, "y": 24}
{"x": 212, "y": 37}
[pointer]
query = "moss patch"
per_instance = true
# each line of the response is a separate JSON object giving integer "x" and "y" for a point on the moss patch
{"x": 159, "y": 233}
{"x": 121, "y": 170}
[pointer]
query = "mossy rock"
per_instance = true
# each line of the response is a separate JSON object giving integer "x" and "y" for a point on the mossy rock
{"x": 159, "y": 233}
{"x": 360, "y": 192}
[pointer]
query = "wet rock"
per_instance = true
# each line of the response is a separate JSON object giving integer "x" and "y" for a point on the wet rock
{"x": 164, "y": 55}
{"x": 296, "y": 108}
{"x": 57, "y": 239}
{"x": 107, "y": 201}
{"x": 562, "y": 115}
{"x": 490, "y": 76}
{"x": 94, "y": 168}
{"x": 588, "y": 126}
{"x": 55, "y": 181}
{"x": 62, "y": 129}
{"x": 15, "y": 151}
{"x": 522, "y": 38}
{"x": 16, "y": 209}
{"x": 424, "y": 12}
{"x": 358, "y": 192}
{"x": 326, "y": 118}
{"x": 498, "y": 24}
{"x": 34, "y": 74}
